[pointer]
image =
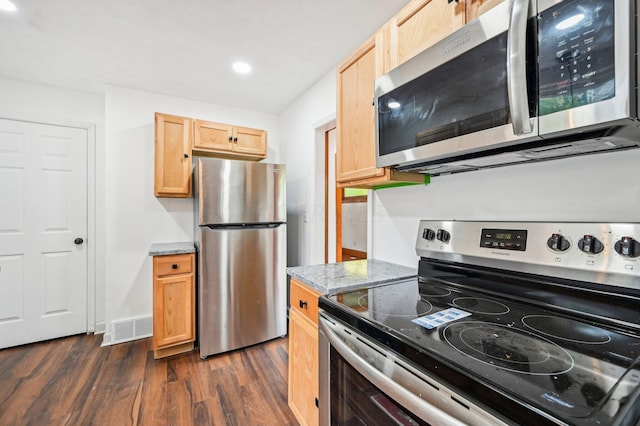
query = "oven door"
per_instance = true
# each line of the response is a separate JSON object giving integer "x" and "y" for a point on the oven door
{"x": 363, "y": 383}
{"x": 473, "y": 91}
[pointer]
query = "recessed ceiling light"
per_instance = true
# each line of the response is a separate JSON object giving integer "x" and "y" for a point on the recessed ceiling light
{"x": 7, "y": 6}
{"x": 241, "y": 67}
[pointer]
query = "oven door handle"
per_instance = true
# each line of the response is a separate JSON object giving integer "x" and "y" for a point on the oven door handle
{"x": 517, "y": 67}
{"x": 396, "y": 391}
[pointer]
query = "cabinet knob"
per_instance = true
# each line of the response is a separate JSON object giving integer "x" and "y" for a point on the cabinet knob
{"x": 186, "y": 155}
{"x": 230, "y": 138}
{"x": 78, "y": 241}
{"x": 174, "y": 266}
{"x": 303, "y": 305}
{"x": 235, "y": 139}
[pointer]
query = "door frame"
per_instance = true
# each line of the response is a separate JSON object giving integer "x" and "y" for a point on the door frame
{"x": 320, "y": 185}
{"x": 90, "y": 321}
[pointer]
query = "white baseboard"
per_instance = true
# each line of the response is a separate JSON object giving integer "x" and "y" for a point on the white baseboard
{"x": 101, "y": 327}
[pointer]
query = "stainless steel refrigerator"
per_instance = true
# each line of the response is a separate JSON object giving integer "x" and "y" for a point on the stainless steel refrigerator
{"x": 241, "y": 234}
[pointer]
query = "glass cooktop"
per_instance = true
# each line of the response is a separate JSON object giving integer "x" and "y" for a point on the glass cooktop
{"x": 563, "y": 366}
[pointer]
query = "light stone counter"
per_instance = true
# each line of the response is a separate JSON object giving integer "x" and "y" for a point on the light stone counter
{"x": 161, "y": 249}
{"x": 338, "y": 277}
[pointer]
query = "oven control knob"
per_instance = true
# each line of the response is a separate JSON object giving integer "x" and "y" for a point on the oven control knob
{"x": 558, "y": 243}
{"x": 443, "y": 235}
{"x": 628, "y": 247}
{"x": 428, "y": 234}
{"x": 590, "y": 244}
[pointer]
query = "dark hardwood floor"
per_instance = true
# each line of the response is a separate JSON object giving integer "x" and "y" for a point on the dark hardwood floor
{"x": 73, "y": 381}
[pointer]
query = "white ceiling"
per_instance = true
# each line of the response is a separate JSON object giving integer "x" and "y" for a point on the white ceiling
{"x": 185, "y": 48}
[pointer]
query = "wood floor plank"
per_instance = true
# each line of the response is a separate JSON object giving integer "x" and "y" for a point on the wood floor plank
{"x": 74, "y": 381}
{"x": 117, "y": 386}
{"x": 24, "y": 399}
{"x": 153, "y": 406}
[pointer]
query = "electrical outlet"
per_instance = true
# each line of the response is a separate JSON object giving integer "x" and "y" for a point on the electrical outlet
{"x": 305, "y": 215}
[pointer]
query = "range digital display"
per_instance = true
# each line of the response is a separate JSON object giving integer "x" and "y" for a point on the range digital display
{"x": 504, "y": 235}
{"x": 504, "y": 239}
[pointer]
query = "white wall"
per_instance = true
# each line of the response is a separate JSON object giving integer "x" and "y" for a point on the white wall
{"x": 134, "y": 217}
{"x": 45, "y": 104}
{"x": 301, "y": 148}
{"x": 354, "y": 226}
{"x": 596, "y": 188}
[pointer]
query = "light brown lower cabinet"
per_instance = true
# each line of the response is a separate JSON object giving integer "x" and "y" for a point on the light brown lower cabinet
{"x": 173, "y": 304}
{"x": 303, "y": 353}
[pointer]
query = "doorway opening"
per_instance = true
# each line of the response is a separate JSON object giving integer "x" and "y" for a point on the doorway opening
{"x": 345, "y": 212}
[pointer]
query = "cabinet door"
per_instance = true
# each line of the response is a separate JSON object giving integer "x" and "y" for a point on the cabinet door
{"x": 355, "y": 114}
{"x": 303, "y": 368}
{"x": 250, "y": 141}
{"x": 420, "y": 24}
{"x": 172, "y": 156}
{"x": 212, "y": 136}
{"x": 173, "y": 304}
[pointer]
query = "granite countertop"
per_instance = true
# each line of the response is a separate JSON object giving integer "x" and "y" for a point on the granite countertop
{"x": 336, "y": 277}
{"x": 161, "y": 249}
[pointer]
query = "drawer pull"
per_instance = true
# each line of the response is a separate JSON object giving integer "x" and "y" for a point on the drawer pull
{"x": 303, "y": 305}
{"x": 174, "y": 266}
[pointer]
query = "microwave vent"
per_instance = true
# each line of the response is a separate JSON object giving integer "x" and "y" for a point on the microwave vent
{"x": 542, "y": 153}
{"x": 575, "y": 148}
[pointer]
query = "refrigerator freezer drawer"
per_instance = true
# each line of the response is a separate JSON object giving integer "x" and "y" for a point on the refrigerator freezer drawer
{"x": 242, "y": 287}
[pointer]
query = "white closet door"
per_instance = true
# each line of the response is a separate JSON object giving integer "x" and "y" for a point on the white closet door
{"x": 43, "y": 231}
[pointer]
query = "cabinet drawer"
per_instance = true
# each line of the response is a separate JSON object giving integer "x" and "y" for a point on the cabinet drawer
{"x": 304, "y": 300}
{"x": 173, "y": 264}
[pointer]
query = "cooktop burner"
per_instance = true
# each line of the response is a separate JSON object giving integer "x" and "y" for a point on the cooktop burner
{"x": 508, "y": 348}
{"x": 480, "y": 305}
{"x": 405, "y": 308}
{"x": 566, "y": 329}
{"x": 434, "y": 290}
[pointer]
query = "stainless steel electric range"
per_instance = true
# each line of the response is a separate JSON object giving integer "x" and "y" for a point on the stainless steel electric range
{"x": 506, "y": 323}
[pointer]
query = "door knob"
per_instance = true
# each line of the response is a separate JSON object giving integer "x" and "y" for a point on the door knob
{"x": 78, "y": 241}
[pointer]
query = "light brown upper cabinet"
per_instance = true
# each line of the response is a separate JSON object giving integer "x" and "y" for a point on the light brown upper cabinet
{"x": 177, "y": 138}
{"x": 420, "y": 24}
{"x": 355, "y": 118}
{"x": 229, "y": 141}
{"x": 172, "y": 156}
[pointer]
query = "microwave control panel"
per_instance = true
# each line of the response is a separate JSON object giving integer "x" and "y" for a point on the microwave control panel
{"x": 576, "y": 54}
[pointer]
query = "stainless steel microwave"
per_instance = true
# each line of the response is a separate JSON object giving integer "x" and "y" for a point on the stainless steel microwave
{"x": 527, "y": 81}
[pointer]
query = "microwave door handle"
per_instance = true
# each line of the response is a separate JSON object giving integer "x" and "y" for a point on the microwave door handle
{"x": 517, "y": 67}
